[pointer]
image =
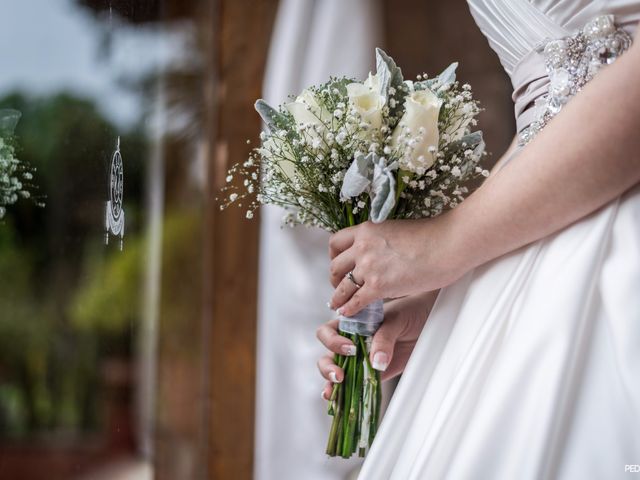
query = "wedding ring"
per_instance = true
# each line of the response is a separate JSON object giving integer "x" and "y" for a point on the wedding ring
{"x": 353, "y": 280}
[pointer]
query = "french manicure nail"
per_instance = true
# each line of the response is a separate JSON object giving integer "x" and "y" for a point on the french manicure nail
{"x": 329, "y": 306}
{"x": 322, "y": 395}
{"x": 349, "y": 350}
{"x": 332, "y": 377}
{"x": 339, "y": 311}
{"x": 380, "y": 361}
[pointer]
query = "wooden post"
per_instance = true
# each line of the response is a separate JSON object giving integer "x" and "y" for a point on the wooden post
{"x": 240, "y": 39}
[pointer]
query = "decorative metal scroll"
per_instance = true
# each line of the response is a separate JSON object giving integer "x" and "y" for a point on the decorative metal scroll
{"x": 114, "y": 212}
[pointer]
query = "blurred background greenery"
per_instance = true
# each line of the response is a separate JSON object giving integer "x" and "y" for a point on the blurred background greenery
{"x": 66, "y": 301}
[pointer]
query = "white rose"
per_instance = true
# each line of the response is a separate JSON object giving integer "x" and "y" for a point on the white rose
{"x": 373, "y": 82}
{"x": 366, "y": 100}
{"x": 418, "y": 130}
{"x": 306, "y": 110}
{"x": 275, "y": 147}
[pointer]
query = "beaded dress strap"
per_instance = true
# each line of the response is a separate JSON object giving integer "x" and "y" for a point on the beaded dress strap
{"x": 570, "y": 63}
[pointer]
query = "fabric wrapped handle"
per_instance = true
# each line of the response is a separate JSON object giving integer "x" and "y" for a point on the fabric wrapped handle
{"x": 366, "y": 322}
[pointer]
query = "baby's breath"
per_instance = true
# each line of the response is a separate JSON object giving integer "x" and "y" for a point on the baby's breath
{"x": 300, "y": 165}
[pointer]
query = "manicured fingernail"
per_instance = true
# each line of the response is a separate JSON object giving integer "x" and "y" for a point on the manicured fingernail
{"x": 322, "y": 395}
{"x": 380, "y": 361}
{"x": 339, "y": 311}
{"x": 332, "y": 377}
{"x": 349, "y": 350}
{"x": 329, "y": 306}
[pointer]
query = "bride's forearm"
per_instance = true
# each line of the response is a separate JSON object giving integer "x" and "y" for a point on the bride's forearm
{"x": 587, "y": 156}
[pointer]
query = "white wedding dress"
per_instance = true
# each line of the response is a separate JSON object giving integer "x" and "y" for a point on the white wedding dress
{"x": 529, "y": 366}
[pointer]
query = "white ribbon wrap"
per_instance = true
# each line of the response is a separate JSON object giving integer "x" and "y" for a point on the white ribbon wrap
{"x": 366, "y": 322}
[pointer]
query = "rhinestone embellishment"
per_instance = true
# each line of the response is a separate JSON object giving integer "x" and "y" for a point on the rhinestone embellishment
{"x": 571, "y": 62}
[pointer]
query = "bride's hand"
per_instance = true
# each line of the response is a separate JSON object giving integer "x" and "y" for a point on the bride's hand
{"x": 391, "y": 345}
{"x": 392, "y": 259}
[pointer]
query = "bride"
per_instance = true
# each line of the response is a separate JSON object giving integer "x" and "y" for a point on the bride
{"x": 528, "y": 365}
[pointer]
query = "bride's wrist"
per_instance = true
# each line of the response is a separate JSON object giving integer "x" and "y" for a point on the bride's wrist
{"x": 458, "y": 248}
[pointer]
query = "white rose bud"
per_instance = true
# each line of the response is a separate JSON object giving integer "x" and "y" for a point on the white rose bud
{"x": 365, "y": 98}
{"x": 275, "y": 147}
{"x": 418, "y": 125}
{"x": 306, "y": 110}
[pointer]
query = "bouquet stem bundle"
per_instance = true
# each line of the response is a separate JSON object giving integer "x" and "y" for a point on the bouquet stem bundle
{"x": 354, "y": 403}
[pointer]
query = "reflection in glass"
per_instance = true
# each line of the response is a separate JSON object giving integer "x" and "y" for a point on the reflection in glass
{"x": 87, "y": 390}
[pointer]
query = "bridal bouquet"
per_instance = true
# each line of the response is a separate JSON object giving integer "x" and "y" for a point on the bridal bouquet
{"x": 15, "y": 175}
{"x": 346, "y": 152}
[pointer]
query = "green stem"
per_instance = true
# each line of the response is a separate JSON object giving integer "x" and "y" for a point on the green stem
{"x": 352, "y": 220}
{"x": 356, "y": 402}
{"x": 376, "y": 413}
{"x": 399, "y": 189}
{"x": 350, "y": 377}
{"x": 333, "y": 433}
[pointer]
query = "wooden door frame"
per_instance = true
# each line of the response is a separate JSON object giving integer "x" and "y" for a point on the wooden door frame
{"x": 240, "y": 34}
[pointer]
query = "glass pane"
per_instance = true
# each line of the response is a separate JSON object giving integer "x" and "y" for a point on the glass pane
{"x": 88, "y": 317}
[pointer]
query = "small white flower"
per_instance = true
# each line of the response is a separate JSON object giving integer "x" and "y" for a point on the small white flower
{"x": 249, "y": 214}
{"x": 229, "y": 178}
{"x": 233, "y": 197}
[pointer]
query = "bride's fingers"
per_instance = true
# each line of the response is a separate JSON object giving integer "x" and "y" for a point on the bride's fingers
{"x": 343, "y": 292}
{"x": 340, "y": 266}
{"x": 401, "y": 354}
{"x": 327, "y": 390}
{"x": 340, "y": 241}
{"x": 329, "y": 370}
{"x": 384, "y": 342}
{"x": 355, "y": 302}
{"x": 328, "y": 334}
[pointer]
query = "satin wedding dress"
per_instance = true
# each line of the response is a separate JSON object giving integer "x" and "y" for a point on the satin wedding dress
{"x": 529, "y": 366}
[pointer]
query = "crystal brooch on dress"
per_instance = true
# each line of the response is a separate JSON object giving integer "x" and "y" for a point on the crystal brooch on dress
{"x": 571, "y": 62}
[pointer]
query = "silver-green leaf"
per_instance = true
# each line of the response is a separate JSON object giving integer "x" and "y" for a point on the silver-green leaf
{"x": 269, "y": 114}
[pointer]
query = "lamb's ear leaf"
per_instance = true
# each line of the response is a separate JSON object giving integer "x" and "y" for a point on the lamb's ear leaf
{"x": 9, "y": 119}
{"x": 358, "y": 176}
{"x": 269, "y": 114}
{"x": 390, "y": 75}
{"x": 383, "y": 193}
{"x": 447, "y": 77}
{"x": 472, "y": 141}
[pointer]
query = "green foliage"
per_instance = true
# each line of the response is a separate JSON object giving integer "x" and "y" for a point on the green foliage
{"x": 109, "y": 301}
{"x": 49, "y": 364}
